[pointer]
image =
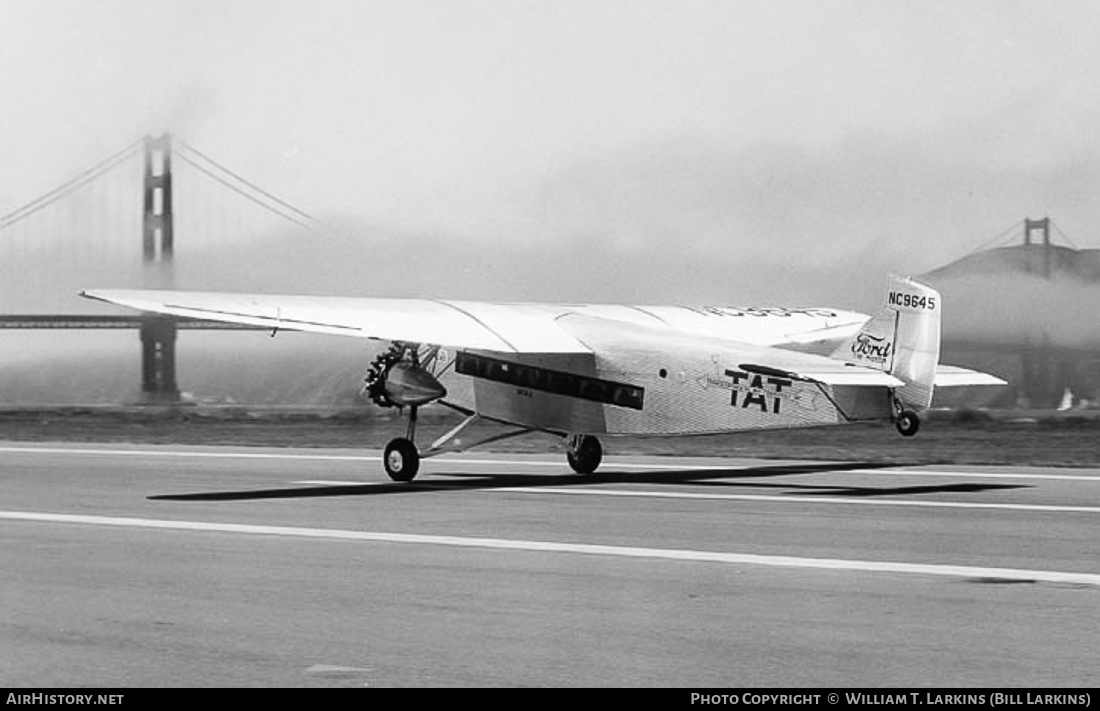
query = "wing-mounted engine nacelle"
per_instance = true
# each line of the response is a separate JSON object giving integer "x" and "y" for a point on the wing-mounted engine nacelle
{"x": 408, "y": 384}
{"x": 399, "y": 378}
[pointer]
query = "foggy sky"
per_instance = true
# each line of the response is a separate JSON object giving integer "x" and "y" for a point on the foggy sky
{"x": 640, "y": 151}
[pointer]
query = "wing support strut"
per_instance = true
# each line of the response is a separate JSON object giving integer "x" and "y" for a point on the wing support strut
{"x": 444, "y": 444}
{"x": 454, "y": 432}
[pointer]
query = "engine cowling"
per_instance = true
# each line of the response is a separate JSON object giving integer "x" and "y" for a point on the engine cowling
{"x": 405, "y": 383}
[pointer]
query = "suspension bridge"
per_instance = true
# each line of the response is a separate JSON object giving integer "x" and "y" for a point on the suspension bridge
{"x": 157, "y": 214}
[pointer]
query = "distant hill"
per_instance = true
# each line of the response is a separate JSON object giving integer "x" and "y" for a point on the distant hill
{"x": 1025, "y": 296}
{"x": 1063, "y": 263}
{"x": 1031, "y": 314}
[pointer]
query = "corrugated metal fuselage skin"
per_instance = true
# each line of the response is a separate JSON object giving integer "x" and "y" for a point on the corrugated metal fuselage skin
{"x": 639, "y": 382}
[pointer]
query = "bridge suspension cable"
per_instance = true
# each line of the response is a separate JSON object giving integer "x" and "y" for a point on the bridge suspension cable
{"x": 250, "y": 191}
{"x": 43, "y": 201}
{"x": 1064, "y": 235}
{"x": 998, "y": 238}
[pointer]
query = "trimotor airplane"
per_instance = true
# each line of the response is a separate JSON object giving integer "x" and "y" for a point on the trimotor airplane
{"x": 583, "y": 371}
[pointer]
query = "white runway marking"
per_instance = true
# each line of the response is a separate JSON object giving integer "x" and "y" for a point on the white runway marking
{"x": 982, "y": 475}
{"x": 322, "y": 457}
{"x": 572, "y": 491}
{"x": 608, "y": 463}
{"x": 957, "y": 571}
{"x": 337, "y": 670}
{"x": 807, "y": 499}
{"x": 182, "y": 453}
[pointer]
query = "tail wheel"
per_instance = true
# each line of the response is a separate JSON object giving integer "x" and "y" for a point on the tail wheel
{"x": 908, "y": 423}
{"x": 584, "y": 454}
{"x": 401, "y": 459}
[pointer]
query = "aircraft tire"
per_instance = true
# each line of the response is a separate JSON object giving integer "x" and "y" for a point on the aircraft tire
{"x": 586, "y": 457}
{"x": 401, "y": 459}
{"x": 908, "y": 423}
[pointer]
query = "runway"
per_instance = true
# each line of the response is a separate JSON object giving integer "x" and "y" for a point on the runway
{"x": 134, "y": 565}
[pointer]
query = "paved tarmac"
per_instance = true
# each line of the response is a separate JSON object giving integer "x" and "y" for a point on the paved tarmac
{"x": 153, "y": 566}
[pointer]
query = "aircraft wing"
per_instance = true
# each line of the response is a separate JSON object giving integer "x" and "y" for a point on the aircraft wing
{"x": 487, "y": 326}
{"x": 455, "y": 324}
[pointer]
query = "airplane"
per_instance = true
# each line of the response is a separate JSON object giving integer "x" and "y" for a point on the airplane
{"x": 585, "y": 371}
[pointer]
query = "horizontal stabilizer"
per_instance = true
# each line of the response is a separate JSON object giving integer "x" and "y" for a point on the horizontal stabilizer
{"x": 948, "y": 376}
{"x": 841, "y": 375}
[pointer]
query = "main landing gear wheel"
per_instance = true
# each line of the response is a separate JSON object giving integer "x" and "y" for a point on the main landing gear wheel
{"x": 908, "y": 423}
{"x": 401, "y": 459}
{"x": 584, "y": 454}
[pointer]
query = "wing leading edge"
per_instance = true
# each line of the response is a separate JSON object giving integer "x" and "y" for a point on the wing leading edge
{"x": 455, "y": 324}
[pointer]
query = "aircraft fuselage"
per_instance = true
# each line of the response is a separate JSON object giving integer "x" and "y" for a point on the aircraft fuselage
{"x": 645, "y": 382}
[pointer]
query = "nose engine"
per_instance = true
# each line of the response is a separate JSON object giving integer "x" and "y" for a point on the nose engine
{"x": 397, "y": 378}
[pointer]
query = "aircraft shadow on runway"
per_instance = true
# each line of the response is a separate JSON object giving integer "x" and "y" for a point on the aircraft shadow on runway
{"x": 717, "y": 477}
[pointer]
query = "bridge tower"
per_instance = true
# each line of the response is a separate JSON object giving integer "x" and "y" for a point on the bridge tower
{"x": 1043, "y": 226}
{"x": 1045, "y": 373}
{"x": 158, "y": 334}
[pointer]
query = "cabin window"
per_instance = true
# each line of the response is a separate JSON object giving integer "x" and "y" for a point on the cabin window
{"x": 551, "y": 381}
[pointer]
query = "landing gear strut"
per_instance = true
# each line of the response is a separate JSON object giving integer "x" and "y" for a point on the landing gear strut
{"x": 584, "y": 453}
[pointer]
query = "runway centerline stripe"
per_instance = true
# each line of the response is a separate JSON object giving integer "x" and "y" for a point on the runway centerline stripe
{"x": 867, "y": 566}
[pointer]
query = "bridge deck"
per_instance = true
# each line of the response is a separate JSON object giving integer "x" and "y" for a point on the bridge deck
{"x": 43, "y": 321}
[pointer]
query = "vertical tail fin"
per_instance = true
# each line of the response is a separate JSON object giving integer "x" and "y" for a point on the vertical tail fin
{"x": 902, "y": 339}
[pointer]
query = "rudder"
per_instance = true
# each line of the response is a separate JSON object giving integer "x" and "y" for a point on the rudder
{"x": 903, "y": 339}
